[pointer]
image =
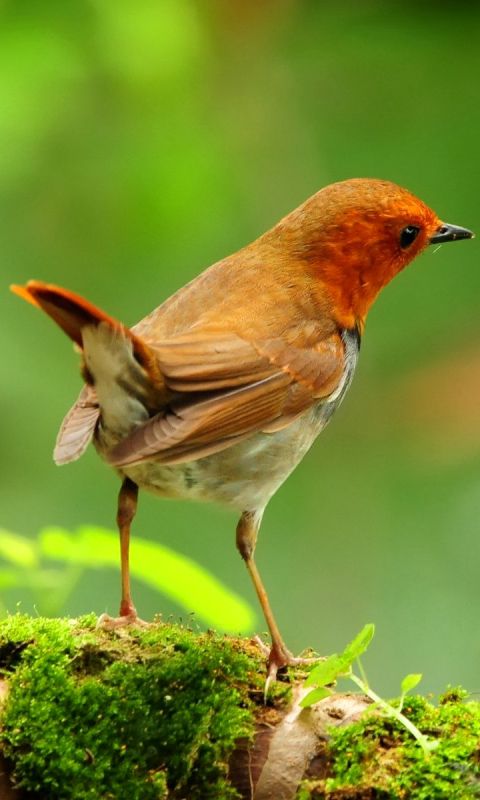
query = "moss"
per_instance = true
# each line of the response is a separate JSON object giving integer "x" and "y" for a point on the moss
{"x": 136, "y": 713}
{"x": 378, "y": 758}
{"x": 155, "y": 713}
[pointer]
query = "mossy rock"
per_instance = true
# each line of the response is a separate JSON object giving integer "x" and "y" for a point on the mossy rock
{"x": 130, "y": 714}
{"x": 376, "y": 758}
{"x": 166, "y": 712}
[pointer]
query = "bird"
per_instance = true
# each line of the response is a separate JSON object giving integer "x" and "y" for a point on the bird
{"x": 219, "y": 392}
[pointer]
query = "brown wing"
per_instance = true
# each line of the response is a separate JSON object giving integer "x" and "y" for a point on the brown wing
{"x": 207, "y": 361}
{"x": 77, "y": 428}
{"x": 231, "y": 389}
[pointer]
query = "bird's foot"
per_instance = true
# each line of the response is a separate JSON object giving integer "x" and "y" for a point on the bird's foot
{"x": 279, "y": 656}
{"x": 107, "y": 623}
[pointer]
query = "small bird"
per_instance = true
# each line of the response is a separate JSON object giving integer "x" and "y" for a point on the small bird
{"x": 220, "y": 391}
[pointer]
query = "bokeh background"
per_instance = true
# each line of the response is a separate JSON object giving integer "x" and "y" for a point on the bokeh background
{"x": 142, "y": 140}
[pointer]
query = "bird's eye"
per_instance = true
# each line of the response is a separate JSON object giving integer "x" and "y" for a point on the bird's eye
{"x": 408, "y": 236}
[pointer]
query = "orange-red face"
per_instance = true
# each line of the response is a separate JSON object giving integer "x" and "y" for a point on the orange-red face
{"x": 366, "y": 232}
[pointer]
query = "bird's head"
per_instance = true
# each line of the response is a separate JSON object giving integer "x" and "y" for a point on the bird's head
{"x": 358, "y": 234}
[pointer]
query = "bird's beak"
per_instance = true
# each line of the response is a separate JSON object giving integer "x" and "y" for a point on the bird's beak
{"x": 448, "y": 233}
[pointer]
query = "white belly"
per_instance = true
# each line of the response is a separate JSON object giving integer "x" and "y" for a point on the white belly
{"x": 243, "y": 477}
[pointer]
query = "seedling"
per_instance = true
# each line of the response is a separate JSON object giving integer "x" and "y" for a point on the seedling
{"x": 340, "y": 666}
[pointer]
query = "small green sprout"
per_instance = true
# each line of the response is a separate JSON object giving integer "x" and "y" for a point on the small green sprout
{"x": 340, "y": 666}
{"x": 408, "y": 683}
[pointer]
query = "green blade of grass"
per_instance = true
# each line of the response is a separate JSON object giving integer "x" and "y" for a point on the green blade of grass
{"x": 173, "y": 574}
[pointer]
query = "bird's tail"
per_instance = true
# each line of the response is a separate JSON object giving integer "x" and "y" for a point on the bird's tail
{"x": 73, "y": 313}
{"x": 125, "y": 382}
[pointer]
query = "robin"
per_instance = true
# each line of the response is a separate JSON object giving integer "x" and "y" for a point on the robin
{"x": 220, "y": 391}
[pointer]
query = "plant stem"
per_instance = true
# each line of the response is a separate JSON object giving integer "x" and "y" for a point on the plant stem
{"x": 363, "y": 673}
{"x": 393, "y": 712}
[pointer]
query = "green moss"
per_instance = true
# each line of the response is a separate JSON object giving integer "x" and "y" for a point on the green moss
{"x": 135, "y": 713}
{"x": 378, "y": 758}
{"x": 154, "y": 713}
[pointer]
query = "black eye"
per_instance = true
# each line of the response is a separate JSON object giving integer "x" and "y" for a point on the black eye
{"x": 408, "y": 236}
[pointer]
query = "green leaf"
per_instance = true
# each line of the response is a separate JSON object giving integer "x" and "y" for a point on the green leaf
{"x": 62, "y": 545}
{"x": 177, "y": 576}
{"x": 410, "y": 682}
{"x": 327, "y": 671}
{"x": 314, "y": 696}
{"x": 360, "y": 643}
{"x": 36, "y": 579}
{"x": 337, "y": 665}
{"x": 17, "y": 549}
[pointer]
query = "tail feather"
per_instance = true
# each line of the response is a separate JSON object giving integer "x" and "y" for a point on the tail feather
{"x": 72, "y": 312}
{"x": 121, "y": 366}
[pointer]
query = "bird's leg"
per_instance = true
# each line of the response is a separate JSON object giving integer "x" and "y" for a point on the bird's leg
{"x": 127, "y": 507}
{"x": 278, "y": 656}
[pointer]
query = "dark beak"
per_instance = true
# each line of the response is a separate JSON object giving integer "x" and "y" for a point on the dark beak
{"x": 448, "y": 233}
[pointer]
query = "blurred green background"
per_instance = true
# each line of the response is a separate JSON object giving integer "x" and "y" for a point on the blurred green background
{"x": 142, "y": 140}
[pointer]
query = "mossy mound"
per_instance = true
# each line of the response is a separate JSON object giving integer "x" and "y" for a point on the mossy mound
{"x": 134, "y": 714}
{"x": 377, "y": 759}
{"x": 165, "y": 712}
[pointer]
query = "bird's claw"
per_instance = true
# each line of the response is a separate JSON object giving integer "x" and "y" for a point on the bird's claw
{"x": 107, "y": 623}
{"x": 277, "y": 657}
{"x": 261, "y": 644}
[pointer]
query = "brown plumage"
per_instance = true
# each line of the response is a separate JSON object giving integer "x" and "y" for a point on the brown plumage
{"x": 219, "y": 392}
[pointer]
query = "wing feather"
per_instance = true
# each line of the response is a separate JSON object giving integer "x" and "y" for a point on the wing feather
{"x": 209, "y": 362}
{"x": 230, "y": 389}
{"x": 190, "y": 425}
{"x": 77, "y": 429}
